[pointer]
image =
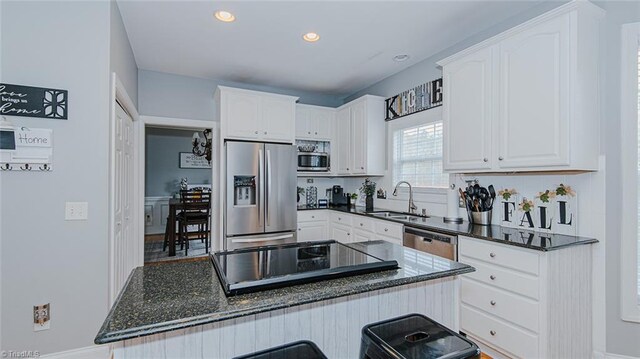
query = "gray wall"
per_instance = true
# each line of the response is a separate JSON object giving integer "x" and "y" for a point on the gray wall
{"x": 162, "y": 172}
{"x": 168, "y": 95}
{"x": 622, "y": 337}
{"x": 45, "y": 258}
{"x": 122, "y": 60}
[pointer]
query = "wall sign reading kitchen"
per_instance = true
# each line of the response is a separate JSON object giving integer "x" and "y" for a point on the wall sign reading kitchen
{"x": 27, "y": 101}
{"x": 419, "y": 98}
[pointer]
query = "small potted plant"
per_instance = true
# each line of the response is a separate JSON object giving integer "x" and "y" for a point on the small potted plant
{"x": 369, "y": 189}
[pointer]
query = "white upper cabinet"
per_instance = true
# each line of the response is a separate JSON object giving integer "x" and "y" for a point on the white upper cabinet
{"x": 360, "y": 135}
{"x": 526, "y": 99}
{"x": 314, "y": 122}
{"x": 253, "y": 115}
{"x": 467, "y": 113}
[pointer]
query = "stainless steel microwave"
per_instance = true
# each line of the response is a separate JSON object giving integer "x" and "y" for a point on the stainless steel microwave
{"x": 313, "y": 162}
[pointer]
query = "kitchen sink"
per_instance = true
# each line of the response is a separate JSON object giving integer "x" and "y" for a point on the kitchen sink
{"x": 397, "y": 215}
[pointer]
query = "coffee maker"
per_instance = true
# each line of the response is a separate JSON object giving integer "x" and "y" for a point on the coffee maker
{"x": 338, "y": 198}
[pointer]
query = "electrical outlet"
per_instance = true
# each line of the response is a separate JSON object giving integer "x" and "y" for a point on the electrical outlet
{"x": 76, "y": 211}
{"x": 41, "y": 317}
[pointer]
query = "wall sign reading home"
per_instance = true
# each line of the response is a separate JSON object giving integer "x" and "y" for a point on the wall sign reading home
{"x": 419, "y": 98}
{"x": 27, "y": 101}
{"x": 189, "y": 160}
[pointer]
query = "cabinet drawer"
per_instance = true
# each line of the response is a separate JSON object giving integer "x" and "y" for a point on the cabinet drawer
{"x": 342, "y": 218}
{"x": 511, "y": 307}
{"x": 519, "y": 283}
{"x": 363, "y": 223}
{"x": 388, "y": 229}
{"x": 500, "y": 254}
{"x": 498, "y": 333}
{"x": 312, "y": 215}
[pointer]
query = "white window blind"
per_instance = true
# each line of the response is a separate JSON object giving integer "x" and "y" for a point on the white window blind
{"x": 417, "y": 156}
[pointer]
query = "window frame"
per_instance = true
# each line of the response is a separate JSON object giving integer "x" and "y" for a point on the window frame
{"x": 630, "y": 301}
{"x": 417, "y": 119}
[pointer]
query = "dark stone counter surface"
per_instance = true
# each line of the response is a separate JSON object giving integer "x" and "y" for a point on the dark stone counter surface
{"x": 166, "y": 297}
{"x": 510, "y": 236}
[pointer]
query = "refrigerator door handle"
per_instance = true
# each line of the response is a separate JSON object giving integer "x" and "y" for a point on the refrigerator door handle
{"x": 261, "y": 239}
{"x": 268, "y": 195}
{"x": 261, "y": 207}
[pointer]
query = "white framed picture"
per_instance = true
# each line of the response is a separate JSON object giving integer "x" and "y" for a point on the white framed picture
{"x": 189, "y": 160}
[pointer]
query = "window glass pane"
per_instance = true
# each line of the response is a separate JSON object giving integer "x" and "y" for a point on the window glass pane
{"x": 417, "y": 156}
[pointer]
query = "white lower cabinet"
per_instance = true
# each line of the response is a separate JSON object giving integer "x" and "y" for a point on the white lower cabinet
{"x": 341, "y": 233}
{"x": 313, "y": 225}
{"x": 525, "y": 303}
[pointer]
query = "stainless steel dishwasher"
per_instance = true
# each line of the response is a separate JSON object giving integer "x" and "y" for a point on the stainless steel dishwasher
{"x": 440, "y": 244}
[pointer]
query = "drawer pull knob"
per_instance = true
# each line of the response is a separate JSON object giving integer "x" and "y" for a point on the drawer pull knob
{"x": 493, "y": 277}
{"x": 348, "y": 234}
{"x": 485, "y": 159}
{"x": 313, "y": 216}
{"x": 493, "y": 302}
{"x": 492, "y": 255}
{"x": 256, "y": 132}
{"x": 299, "y": 229}
{"x": 492, "y": 332}
{"x": 386, "y": 229}
{"x": 361, "y": 224}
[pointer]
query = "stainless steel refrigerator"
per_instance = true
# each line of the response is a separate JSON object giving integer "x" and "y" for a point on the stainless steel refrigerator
{"x": 260, "y": 202}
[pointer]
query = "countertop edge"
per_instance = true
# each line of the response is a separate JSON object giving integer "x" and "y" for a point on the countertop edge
{"x": 587, "y": 240}
{"x": 106, "y": 338}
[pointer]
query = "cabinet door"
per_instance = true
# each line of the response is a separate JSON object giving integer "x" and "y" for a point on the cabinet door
{"x": 467, "y": 112}
{"x": 242, "y": 115}
{"x": 359, "y": 138}
{"x": 323, "y": 124}
{"x": 303, "y": 119}
{"x": 343, "y": 141}
{"x": 362, "y": 236}
{"x": 278, "y": 119}
{"x": 312, "y": 231}
{"x": 534, "y": 96}
{"x": 341, "y": 233}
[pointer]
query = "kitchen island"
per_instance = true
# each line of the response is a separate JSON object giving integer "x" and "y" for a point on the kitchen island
{"x": 180, "y": 310}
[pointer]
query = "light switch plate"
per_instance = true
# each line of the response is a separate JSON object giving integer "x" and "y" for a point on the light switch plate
{"x": 76, "y": 211}
{"x": 41, "y": 317}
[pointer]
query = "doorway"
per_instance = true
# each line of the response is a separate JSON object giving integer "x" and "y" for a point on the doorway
{"x": 169, "y": 166}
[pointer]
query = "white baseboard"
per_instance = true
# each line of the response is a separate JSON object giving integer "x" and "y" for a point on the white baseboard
{"x": 92, "y": 352}
{"x": 601, "y": 355}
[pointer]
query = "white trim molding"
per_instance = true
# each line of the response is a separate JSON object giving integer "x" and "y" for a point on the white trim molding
{"x": 93, "y": 352}
{"x": 630, "y": 304}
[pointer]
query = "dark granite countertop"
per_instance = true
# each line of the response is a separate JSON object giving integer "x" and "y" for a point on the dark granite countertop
{"x": 510, "y": 236}
{"x": 166, "y": 297}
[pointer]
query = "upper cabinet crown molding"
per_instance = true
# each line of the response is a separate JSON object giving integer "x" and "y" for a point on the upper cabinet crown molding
{"x": 255, "y": 115}
{"x": 526, "y": 99}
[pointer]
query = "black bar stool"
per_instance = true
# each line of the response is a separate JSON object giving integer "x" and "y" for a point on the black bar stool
{"x": 301, "y": 349}
{"x": 414, "y": 336}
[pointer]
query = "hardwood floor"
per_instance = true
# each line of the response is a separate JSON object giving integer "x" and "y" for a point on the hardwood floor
{"x": 153, "y": 253}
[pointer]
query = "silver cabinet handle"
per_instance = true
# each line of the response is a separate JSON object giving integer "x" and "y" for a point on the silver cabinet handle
{"x": 500, "y": 158}
{"x": 268, "y": 187}
{"x": 485, "y": 159}
{"x": 348, "y": 234}
{"x": 492, "y": 277}
{"x": 265, "y": 132}
{"x": 361, "y": 224}
{"x": 347, "y": 168}
{"x": 313, "y": 216}
{"x": 299, "y": 229}
{"x": 386, "y": 229}
{"x": 256, "y": 132}
{"x": 492, "y": 332}
{"x": 308, "y": 133}
{"x": 492, "y": 255}
{"x": 316, "y": 133}
{"x": 493, "y": 302}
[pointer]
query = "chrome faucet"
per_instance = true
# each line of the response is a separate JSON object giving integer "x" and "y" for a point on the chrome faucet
{"x": 412, "y": 206}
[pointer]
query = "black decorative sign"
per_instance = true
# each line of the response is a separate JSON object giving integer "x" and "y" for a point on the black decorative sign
{"x": 419, "y": 98}
{"x": 27, "y": 101}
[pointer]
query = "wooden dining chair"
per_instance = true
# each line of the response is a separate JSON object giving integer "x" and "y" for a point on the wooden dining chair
{"x": 196, "y": 212}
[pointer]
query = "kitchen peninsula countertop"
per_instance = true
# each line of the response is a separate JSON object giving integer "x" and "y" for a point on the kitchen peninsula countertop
{"x": 509, "y": 236}
{"x": 166, "y": 297}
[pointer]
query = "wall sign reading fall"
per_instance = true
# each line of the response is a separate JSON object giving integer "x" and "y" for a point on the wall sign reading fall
{"x": 27, "y": 101}
{"x": 419, "y": 98}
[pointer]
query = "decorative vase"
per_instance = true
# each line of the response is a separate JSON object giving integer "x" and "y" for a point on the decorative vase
{"x": 369, "y": 203}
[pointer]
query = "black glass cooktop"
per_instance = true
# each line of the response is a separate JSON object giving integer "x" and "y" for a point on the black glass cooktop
{"x": 253, "y": 269}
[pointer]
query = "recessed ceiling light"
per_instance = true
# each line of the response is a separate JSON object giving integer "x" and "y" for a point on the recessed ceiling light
{"x": 311, "y": 37}
{"x": 224, "y": 16}
{"x": 401, "y": 57}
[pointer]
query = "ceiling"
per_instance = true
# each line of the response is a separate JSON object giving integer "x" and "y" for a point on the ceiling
{"x": 264, "y": 45}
